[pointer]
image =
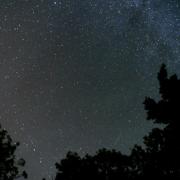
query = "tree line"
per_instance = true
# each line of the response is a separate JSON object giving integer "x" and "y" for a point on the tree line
{"x": 159, "y": 157}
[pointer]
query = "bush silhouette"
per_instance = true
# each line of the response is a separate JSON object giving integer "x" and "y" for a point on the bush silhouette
{"x": 9, "y": 166}
{"x": 158, "y": 158}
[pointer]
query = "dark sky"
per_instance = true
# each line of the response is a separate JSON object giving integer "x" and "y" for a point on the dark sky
{"x": 74, "y": 73}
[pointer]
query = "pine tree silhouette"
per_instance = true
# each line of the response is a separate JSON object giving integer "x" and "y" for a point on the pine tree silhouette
{"x": 162, "y": 145}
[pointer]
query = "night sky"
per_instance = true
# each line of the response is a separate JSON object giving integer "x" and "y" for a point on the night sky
{"x": 74, "y": 73}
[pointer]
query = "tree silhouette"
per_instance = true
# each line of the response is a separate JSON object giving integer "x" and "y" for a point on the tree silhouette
{"x": 104, "y": 165}
{"x": 158, "y": 158}
{"x": 9, "y": 166}
{"x": 162, "y": 145}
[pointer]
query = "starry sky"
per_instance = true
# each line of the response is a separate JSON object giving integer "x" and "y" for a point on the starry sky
{"x": 74, "y": 73}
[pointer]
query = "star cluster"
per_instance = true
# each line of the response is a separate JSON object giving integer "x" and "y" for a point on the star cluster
{"x": 74, "y": 73}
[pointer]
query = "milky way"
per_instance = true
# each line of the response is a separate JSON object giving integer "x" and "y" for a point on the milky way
{"x": 74, "y": 73}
